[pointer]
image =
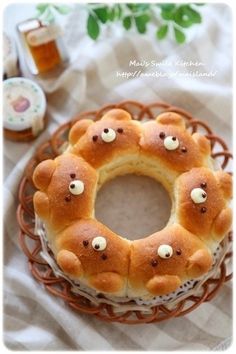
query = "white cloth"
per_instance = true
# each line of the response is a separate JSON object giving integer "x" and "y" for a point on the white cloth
{"x": 35, "y": 320}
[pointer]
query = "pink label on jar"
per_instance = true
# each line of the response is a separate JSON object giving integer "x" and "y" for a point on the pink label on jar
{"x": 21, "y": 104}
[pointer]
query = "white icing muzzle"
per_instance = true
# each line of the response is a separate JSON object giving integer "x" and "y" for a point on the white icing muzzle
{"x": 165, "y": 251}
{"x": 76, "y": 187}
{"x": 198, "y": 195}
{"x": 99, "y": 243}
{"x": 108, "y": 135}
{"x": 171, "y": 143}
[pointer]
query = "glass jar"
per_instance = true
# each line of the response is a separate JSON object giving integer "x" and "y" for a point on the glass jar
{"x": 43, "y": 46}
{"x": 24, "y": 109}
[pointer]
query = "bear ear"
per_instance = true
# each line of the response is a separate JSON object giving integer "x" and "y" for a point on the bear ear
{"x": 43, "y": 173}
{"x": 225, "y": 182}
{"x": 79, "y": 129}
{"x": 117, "y": 114}
{"x": 203, "y": 143}
{"x": 171, "y": 118}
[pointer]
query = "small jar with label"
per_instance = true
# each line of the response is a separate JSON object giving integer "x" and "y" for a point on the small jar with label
{"x": 10, "y": 57}
{"x": 24, "y": 108}
{"x": 43, "y": 46}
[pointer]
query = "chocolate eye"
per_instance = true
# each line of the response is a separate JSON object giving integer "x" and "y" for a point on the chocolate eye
{"x": 95, "y": 138}
{"x": 184, "y": 149}
{"x": 162, "y": 135}
{"x": 203, "y": 185}
{"x": 178, "y": 252}
{"x": 154, "y": 263}
{"x": 72, "y": 175}
{"x": 198, "y": 195}
{"x": 171, "y": 143}
{"x": 76, "y": 187}
{"x": 120, "y": 130}
{"x": 108, "y": 135}
{"x": 203, "y": 210}
{"x": 99, "y": 243}
{"x": 165, "y": 251}
{"x": 85, "y": 243}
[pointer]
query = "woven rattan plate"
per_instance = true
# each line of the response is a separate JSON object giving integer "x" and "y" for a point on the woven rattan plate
{"x": 60, "y": 287}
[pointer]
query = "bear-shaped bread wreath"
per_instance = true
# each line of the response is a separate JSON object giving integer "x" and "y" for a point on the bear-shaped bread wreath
{"x": 93, "y": 255}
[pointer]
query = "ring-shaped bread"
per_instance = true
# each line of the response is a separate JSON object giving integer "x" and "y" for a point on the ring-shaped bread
{"x": 90, "y": 253}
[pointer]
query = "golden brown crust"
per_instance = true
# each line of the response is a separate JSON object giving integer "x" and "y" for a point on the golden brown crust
{"x": 185, "y": 157}
{"x": 199, "y": 263}
{"x": 225, "y": 182}
{"x": 163, "y": 284}
{"x": 78, "y": 238}
{"x": 70, "y": 263}
{"x": 192, "y": 216}
{"x": 145, "y": 263}
{"x": 43, "y": 174}
{"x": 78, "y": 129}
{"x": 107, "y": 282}
{"x": 41, "y": 204}
{"x": 203, "y": 144}
{"x": 117, "y": 114}
{"x": 98, "y": 152}
{"x": 171, "y": 118}
{"x": 69, "y": 217}
{"x": 54, "y": 177}
{"x": 222, "y": 223}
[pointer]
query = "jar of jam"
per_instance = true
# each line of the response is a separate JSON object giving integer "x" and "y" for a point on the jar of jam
{"x": 24, "y": 108}
{"x": 10, "y": 57}
{"x": 43, "y": 46}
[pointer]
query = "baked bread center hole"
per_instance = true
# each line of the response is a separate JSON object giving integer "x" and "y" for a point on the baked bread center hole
{"x": 133, "y": 206}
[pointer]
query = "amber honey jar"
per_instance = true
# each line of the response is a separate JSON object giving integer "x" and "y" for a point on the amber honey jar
{"x": 43, "y": 46}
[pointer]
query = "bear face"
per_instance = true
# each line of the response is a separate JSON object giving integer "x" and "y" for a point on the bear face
{"x": 162, "y": 261}
{"x": 202, "y": 203}
{"x": 90, "y": 252}
{"x": 104, "y": 141}
{"x": 67, "y": 187}
{"x": 167, "y": 141}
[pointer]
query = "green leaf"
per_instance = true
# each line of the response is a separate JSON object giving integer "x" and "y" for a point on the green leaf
{"x": 167, "y": 11}
{"x": 93, "y": 27}
{"x": 132, "y": 7}
{"x": 102, "y": 14}
{"x": 193, "y": 14}
{"x": 127, "y": 22}
{"x": 182, "y": 18}
{"x": 142, "y": 7}
{"x": 141, "y": 22}
{"x": 162, "y": 32}
{"x": 111, "y": 14}
{"x": 63, "y": 9}
{"x": 118, "y": 11}
{"x": 42, "y": 7}
{"x": 168, "y": 16}
{"x": 48, "y": 16}
{"x": 167, "y": 7}
{"x": 179, "y": 35}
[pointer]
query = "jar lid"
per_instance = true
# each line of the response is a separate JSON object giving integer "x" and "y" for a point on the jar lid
{"x": 24, "y": 105}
